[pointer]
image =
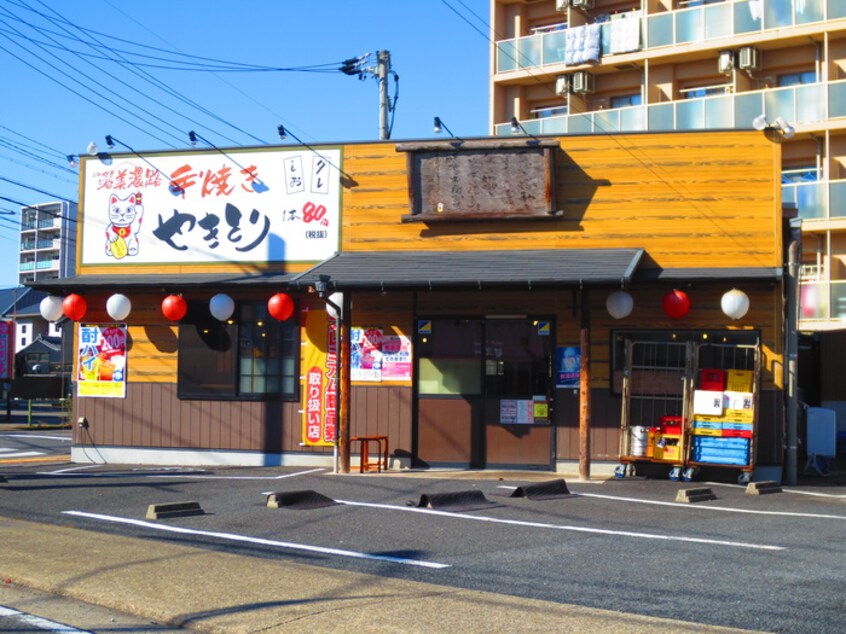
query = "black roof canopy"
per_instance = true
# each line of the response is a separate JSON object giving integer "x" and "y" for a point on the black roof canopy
{"x": 481, "y": 269}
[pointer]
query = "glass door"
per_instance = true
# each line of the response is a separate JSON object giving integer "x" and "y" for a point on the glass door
{"x": 484, "y": 390}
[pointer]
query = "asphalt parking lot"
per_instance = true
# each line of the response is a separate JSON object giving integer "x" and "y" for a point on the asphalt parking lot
{"x": 761, "y": 562}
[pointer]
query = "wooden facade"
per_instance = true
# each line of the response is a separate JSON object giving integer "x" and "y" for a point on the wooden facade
{"x": 704, "y": 207}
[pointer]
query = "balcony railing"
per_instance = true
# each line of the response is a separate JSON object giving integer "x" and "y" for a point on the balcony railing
{"x": 805, "y": 103}
{"x": 822, "y": 301}
{"x": 817, "y": 200}
{"x": 685, "y": 26}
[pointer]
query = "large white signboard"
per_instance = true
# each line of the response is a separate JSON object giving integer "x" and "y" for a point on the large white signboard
{"x": 276, "y": 206}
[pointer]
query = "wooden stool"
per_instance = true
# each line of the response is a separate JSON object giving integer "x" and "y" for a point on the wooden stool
{"x": 382, "y": 453}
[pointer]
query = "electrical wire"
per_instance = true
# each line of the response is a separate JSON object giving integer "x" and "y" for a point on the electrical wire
{"x": 30, "y": 187}
{"x": 145, "y": 76}
{"x": 127, "y": 103}
{"x": 79, "y": 94}
{"x": 222, "y": 65}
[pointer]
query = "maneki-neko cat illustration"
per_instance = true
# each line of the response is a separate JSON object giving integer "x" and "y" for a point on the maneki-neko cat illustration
{"x": 124, "y": 223}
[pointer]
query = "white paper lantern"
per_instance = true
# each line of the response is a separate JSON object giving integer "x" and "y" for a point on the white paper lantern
{"x": 118, "y": 306}
{"x": 221, "y": 306}
{"x": 619, "y": 304}
{"x": 336, "y": 298}
{"x": 735, "y": 303}
{"x": 51, "y": 308}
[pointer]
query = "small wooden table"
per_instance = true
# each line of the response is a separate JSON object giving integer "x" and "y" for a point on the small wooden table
{"x": 382, "y": 454}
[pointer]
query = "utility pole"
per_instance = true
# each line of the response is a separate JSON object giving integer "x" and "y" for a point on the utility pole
{"x": 383, "y": 69}
{"x": 357, "y": 67}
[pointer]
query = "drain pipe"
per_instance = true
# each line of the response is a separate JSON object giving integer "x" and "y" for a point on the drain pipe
{"x": 794, "y": 254}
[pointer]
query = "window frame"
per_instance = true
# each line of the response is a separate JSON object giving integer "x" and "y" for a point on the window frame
{"x": 198, "y": 335}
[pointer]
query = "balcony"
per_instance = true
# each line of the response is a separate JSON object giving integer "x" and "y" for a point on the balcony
{"x": 805, "y": 103}
{"x": 821, "y": 302}
{"x": 42, "y": 265}
{"x": 671, "y": 28}
{"x": 817, "y": 200}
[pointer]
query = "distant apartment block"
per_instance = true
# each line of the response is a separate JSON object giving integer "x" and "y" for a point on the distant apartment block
{"x": 48, "y": 241}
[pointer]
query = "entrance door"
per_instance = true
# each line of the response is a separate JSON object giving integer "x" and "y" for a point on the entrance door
{"x": 484, "y": 392}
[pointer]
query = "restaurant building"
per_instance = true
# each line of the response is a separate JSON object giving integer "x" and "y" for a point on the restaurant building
{"x": 483, "y": 303}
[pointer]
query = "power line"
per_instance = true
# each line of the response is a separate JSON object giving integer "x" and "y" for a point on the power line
{"x": 30, "y": 187}
{"x": 223, "y": 65}
{"x": 144, "y": 75}
{"x": 126, "y": 104}
{"x": 76, "y": 92}
{"x": 174, "y": 65}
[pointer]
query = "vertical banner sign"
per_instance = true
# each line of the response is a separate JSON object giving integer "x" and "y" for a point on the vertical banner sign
{"x": 101, "y": 361}
{"x": 366, "y": 354}
{"x": 320, "y": 382}
{"x": 7, "y": 350}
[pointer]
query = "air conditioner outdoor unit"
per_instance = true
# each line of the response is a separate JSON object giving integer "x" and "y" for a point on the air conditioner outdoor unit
{"x": 562, "y": 5}
{"x": 749, "y": 58}
{"x": 725, "y": 62}
{"x": 562, "y": 85}
{"x": 582, "y": 82}
{"x": 581, "y": 4}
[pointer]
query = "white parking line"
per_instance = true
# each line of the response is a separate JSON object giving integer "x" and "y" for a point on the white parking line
{"x": 217, "y": 477}
{"x": 37, "y": 622}
{"x": 723, "y": 509}
{"x": 62, "y": 438}
{"x": 836, "y": 496}
{"x": 258, "y": 540}
{"x": 565, "y": 527}
{"x": 74, "y": 471}
{"x": 22, "y": 454}
{"x": 69, "y": 470}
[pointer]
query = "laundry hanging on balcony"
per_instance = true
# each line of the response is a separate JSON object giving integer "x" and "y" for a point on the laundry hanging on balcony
{"x": 625, "y": 35}
{"x": 582, "y": 44}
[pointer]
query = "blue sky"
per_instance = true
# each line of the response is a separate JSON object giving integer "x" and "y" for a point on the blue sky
{"x": 75, "y": 72}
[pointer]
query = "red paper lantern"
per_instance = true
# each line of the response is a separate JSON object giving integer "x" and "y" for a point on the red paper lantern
{"x": 174, "y": 307}
{"x": 676, "y": 304}
{"x": 280, "y": 306}
{"x": 74, "y": 307}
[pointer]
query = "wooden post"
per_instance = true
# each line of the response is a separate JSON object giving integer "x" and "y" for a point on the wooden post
{"x": 344, "y": 404}
{"x": 584, "y": 389}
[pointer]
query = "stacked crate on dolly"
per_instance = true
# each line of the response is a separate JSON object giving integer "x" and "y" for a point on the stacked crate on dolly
{"x": 723, "y": 428}
{"x": 653, "y": 413}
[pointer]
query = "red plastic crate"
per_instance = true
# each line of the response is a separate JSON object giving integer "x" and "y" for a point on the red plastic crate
{"x": 670, "y": 424}
{"x": 712, "y": 380}
{"x": 736, "y": 433}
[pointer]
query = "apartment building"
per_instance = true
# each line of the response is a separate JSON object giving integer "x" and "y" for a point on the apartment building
{"x": 47, "y": 251}
{"x": 607, "y": 66}
{"x": 48, "y": 243}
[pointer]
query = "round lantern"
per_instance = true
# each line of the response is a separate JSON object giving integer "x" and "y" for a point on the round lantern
{"x": 174, "y": 307}
{"x": 51, "y": 308}
{"x": 221, "y": 306}
{"x": 619, "y": 304}
{"x": 735, "y": 303}
{"x": 74, "y": 307}
{"x": 676, "y": 304}
{"x": 118, "y": 306}
{"x": 337, "y": 299}
{"x": 280, "y": 306}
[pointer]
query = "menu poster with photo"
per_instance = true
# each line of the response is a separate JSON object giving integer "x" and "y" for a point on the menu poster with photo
{"x": 101, "y": 360}
{"x": 365, "y": 354}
